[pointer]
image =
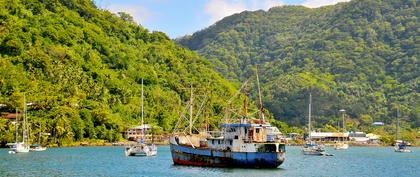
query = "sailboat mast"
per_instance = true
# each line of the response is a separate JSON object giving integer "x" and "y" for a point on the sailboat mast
{"x": 344, "y": 124}
{"x": 259, "y": 95}
{"x": 396, "y": 131}
{"x": 309, "y": 116}
{"x": 191, "y": 109}
{"x": 245, "y": 106}
{"x": 24, "y": 120}
{"x": 39, "y": 136}
{"x": 142, "y": 109}
{"x": 17, "y": 124}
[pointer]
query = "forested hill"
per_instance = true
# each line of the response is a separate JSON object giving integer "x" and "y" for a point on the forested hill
{"x": 81, "y": 69}
{"x": 362, "y": 56}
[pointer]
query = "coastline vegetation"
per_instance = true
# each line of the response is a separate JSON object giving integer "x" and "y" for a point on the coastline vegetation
{"x": 81, "y": 67}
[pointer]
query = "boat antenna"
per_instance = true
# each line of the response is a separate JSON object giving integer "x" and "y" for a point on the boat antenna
{"x": 191, "y": 109}
{"x": 309, "y": 116}
{"x": 262, "y": 118}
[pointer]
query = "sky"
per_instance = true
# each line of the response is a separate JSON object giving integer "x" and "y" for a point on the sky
{"x": 177, "y": 18}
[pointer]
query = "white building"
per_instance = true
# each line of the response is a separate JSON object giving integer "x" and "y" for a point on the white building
{"x": 137, "y": 133}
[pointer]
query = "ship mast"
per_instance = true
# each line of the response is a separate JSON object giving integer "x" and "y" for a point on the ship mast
{"x": 396, "y": 131}
{"x": 191, "y": 110}
{"x": 309, "y": 116}
{"x": 142, "y": 110}
{"x": 24, "y": 131}
{"x": 39, "y": 136}
{"x": 245, "y": 106}
{"x": 17, "y": 124}
{"x": 259, "y": 95}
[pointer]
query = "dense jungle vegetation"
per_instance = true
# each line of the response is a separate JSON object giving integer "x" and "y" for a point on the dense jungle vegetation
{"x": 80, "y": 69}
{"x": 362, "y": 56}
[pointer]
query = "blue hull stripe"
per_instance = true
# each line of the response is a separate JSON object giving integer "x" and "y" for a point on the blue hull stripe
{"x": 209, "y": 157}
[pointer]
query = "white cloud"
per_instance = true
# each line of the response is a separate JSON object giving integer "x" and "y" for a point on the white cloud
{"x": 217, "y": 9}
{"x": 139, "y": 13}
{"x": 319, "y": 3}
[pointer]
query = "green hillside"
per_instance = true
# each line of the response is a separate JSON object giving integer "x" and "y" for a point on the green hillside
{"x": 82, "y": 67}
{"x": 362, "y": 56}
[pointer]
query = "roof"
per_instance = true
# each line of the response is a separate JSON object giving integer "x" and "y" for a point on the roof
{"x": 9, "y": 115}
{"x": 378, "y": 123}
{"x": 328, "y": 134}
{"x": 236, "y": 125}
{"x": 145, "y": 126}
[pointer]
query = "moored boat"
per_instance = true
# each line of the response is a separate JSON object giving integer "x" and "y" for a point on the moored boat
{"x": 23, "y": 146}
{"x": 37, "y": 148}
{"x": 240, "y": 145}
{"x": 251, "y": 143}
{"x": 141, "y": 148}
{"x": 341, "y": 146}
{"x": 311, "y": 147}
{"x": 400, "y": 145}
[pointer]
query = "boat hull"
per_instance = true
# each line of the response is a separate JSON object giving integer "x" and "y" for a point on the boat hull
{"x": 183, "y": 155}
{"x": 341, "y": 146}
{"x": 20, "y": 148}
{"x": 141, "y": 150}
{"x": 312, "y": 153}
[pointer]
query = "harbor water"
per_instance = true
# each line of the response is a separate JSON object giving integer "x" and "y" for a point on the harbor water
{"x": 111, "y": 161}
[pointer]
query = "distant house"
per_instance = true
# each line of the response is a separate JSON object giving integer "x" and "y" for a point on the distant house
{"x": 359, "y": 137}
{"x": 329, "y": 136}
{"x": 373, "y": 138}
{"x": 7, "y": 115}
{"x": 378, "y": 124}
{"x": 139, "y": 132}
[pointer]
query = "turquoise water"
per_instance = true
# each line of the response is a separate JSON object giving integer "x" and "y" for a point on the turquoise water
{"x": 110, "y": 161}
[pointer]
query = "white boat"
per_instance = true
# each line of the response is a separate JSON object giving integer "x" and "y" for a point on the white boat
{"x": 341, "y": 146}
{"x": 141, "y": 148}
{"x": 310, "y": 147}
{"x": 400, "y": 145}
{"x": 21, "y": 147}
{"x": 38, "y": 147}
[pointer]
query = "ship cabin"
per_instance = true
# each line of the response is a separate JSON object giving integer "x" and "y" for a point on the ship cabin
{"x": 248, "y": 138}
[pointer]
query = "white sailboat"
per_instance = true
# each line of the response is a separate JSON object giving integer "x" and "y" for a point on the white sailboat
{"x": 21, "y": 147}
{"x": 38, "y": 147}
{"x": 400, "y": 145}
{"x": 141, "y": 148}
{"x": 310, "y": 147}
{"x": 342, "y": 145}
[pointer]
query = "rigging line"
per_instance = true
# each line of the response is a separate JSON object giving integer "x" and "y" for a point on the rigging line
{"x": 179, "y": 120}
{"x": 199, "y": 110}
